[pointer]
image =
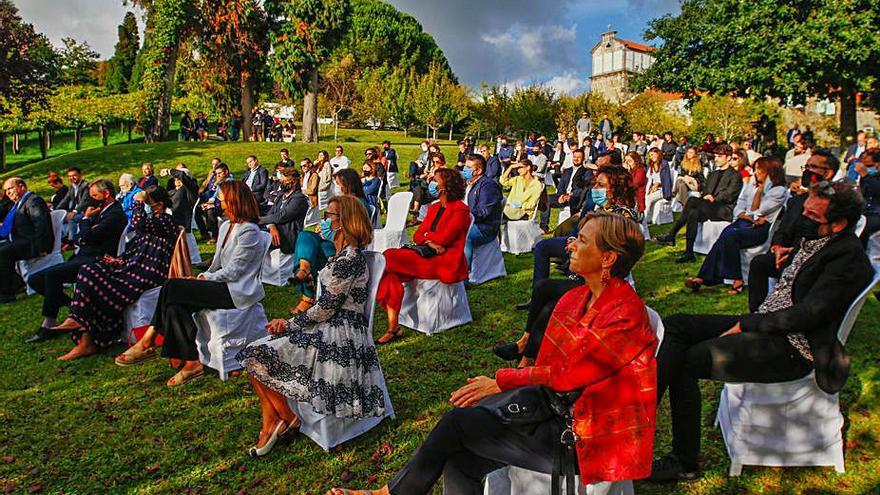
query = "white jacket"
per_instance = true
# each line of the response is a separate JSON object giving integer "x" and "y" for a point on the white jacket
{"x": 239, "y": 262}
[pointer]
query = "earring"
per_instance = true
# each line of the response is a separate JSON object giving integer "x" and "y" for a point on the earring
{"x": 606, "y": 276}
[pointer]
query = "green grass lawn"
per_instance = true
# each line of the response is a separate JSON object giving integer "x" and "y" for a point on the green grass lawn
{"x": 92, "y": 427}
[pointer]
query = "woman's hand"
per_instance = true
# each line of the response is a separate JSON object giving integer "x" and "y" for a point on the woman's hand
{"x": 759, "y": 221}
{"x": 436, "y": 247}
{"x": 140, "y": 196}
{"x": 476, "y": 390}
{"x": 276, "y": 326}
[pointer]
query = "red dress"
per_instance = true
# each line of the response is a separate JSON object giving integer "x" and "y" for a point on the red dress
{"x": 609, "y": 352}
{"x": 403, "y": 265}
{"x": 639, "y": 183}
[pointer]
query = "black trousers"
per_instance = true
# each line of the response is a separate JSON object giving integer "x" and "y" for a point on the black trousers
{"x": 544, "y": 298}
{"x": 178, "y": 300}
{"x": 761, "y": 269}
{"x": 208, "y": 222}
{"x": 692, "y": 350}
{"x": 552, "y": 202}
{"x": 465, "y": 446}
{"x": 697, "y": 211}
{"x": 49, "y": 283}
{"x": 10, "y": 252}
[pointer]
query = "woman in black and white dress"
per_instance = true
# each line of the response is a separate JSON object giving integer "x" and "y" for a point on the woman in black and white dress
{"x": 323, "y": 356}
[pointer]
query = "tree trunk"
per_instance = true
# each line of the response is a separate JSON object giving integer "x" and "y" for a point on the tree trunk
{"x": 404, "y": 131}
{"x": 104, "y": 132}
{"x": 335, "y": 127}
{"x": 427, "y": 131}
{"x": 435, "y": 133}
{"x": 450, "y": 131}
{"x": 43, "y": 136}
{"x": 310, "y": 110}
{"x": 16, "y": 145}
{"x": 3, "y": 150}
{"x": 848, "y": 124}
{"x": 49, "y": 136}
{"x": 129, "y": 126}
{"x": 247, "y": 106}
{"x": 77, "y": 138}
{"x": 159, "y": 130}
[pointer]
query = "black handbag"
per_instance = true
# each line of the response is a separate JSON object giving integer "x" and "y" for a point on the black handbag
{"x": 526, "y": 408}
{"x": 423, "y": 250}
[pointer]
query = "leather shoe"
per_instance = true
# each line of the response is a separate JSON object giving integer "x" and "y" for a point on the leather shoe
{"x": 42, "y": 334}
{"x": 524, "y": 306}
{"x": 668, "y": 240}
{"x": 7, "y": 298}
{"x": 686, "y": 258}
{"x": 507, "y": 352}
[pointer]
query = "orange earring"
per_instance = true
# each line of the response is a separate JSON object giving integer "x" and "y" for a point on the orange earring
{"x": 606, "y": 276}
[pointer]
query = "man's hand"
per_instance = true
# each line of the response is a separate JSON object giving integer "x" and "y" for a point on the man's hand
{"x": 276, "y": 326}
{"x": 759, "y": 221}
{"x": 709, "y": 198}
{"x": 476, "y": 390}
{"x": 733, "y": 331}
{"x": 139, "y": 196}
{"x": 565, "y": 198}
{"x": 92, "y": 211}
{"x": 276, "y": 235}
{"x": 782, "y": 255}
{"x": 70, "y": 215}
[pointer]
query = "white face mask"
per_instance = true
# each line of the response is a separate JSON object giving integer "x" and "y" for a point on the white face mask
{"x": 279, "y": 175}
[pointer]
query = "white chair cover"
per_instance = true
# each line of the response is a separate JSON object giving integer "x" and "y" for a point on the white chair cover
{"x": 324, "y": 198}
{"x": 860, "y": 225}
{"x": 786, "y": 424}
{"x": 140, "y": 313}
{"x": 313, "y": 217}
{"x": 746, "y": 255}
{"x": 564, "y": 214}
{"x": 222, "y": 333}
{"x": 375, "y": 216}
{"x": 512, "y": 480}
{"x": 194, "y": 256}
{"x": 662, "y": 212}
{"x": 330, "y": 431}
{"x": 423, "y": 210}
{"x": 123, "y": 240}
{"x": 874, "y": 250}
{"x": 393, "y": 235}
{"x": 393, "y": 181}
{"x": 707, "y": 233}
{"x": 487, "y": 264}
{"x": 520, "y": 236}
{"x": 28, "y": 267}
{"x": 431, "y": 307}
{"x": 277, "y": 268}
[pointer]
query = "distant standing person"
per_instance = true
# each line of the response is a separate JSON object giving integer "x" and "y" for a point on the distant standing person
{"x": 186, "y": 127}
{"x": 584, "y": 127}
{"x": 606, "y": 127}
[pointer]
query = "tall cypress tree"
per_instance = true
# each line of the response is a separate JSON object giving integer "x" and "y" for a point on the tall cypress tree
{"x": 124, "y": 56}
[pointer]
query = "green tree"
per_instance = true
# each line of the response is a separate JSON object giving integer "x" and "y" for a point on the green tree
{"x": 124, "y": 55}
{"x": 339, "y": 86}
{"x": 77, "y": 62}
{"x": 398, "y": 100}
{"x": 724, "y": 116}
{"x": 459, "y": 108}
{"x": 492, "y": 111}
{"x": 787, "y": 49}
{"x": 304, "y": 34}
{"x": 27, "y": 63}
{"x": 370, "y": 108}
{"x": 648, "y": 112}
{"x": 432, "y": 99}
{"x": 534, "y": 109}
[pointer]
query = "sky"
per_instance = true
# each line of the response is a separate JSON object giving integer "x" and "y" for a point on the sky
{"x": 507, "y": 42}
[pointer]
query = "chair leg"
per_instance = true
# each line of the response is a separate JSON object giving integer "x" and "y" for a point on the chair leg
{"x": 735, "y": 468}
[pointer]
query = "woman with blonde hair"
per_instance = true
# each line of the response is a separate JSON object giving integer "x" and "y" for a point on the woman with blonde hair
{"x": 691, "y": 178}
{"x": 323, "y": 356}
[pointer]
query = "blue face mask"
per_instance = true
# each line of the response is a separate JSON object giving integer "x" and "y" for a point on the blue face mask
{"x": 327, "y": 231}
{"x": 148, "y": 209}
{"x": 873, "y": 171}
{"x": 433, "y": 190}
{"x": 599, "y": 196}
{"x": 467, "y": 173}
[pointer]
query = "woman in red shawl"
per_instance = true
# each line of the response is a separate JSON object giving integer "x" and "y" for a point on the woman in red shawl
{"x": 598, "y": 341}
{"x": 444, "y": 230}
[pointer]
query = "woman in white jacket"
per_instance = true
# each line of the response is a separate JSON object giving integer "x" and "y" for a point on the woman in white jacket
{"x": 232, "y": 281}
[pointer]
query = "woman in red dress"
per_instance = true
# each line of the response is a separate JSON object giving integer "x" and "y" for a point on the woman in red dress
{"x": 599, "y": 342}
{"x": 444, "y": 230}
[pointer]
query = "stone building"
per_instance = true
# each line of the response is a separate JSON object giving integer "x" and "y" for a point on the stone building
{"x": 615, "y": 61}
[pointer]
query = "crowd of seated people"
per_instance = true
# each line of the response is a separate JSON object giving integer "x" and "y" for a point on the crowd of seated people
{"x": 598, "y": 340}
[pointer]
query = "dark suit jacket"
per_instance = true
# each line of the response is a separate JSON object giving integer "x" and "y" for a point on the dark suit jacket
{"x": 78, "y": 201}
{"x": 493, "y": 168}
{"x": 484, "y": 200}
{"x": 288, "y": 214}
{"x": 100, "y": 235}
{"x": 182, "y": 202}
{"x": 579, "y": 177}
{"x": 33, "y": 224}
{"x": 725, "y": 185}
{"x": 57, "y": 199}
{"x": 786, "y": 233}
{"x": 823, "y": 290}
{"x": 259, "y": 184}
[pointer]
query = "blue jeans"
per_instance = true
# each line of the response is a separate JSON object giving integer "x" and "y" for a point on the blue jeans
{"x": 314, "y": 249}
{"x": 723, "y": 260}
{"x": 544, "y": 250}
{"x": 475, "y": 239}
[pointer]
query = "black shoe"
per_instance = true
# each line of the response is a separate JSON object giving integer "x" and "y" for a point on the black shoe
{"x": 42, "y": 334}
{"x": 669, "y": 468}
{"x": 668, "y": 240}
{"x": 524, "y": 306}
{"x": 507, "y": 352}
{"x": 686, "y": 258}
{"x": 7, "y": 298}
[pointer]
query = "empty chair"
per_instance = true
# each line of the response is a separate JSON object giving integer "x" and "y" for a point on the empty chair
{"x": 786, "y": 424}
{"x": 393, "y": 235}
{"x": 34, "y": 265}
{"x": 328, "y": 431}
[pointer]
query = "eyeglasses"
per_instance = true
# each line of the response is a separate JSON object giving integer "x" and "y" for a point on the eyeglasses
{"x": 329, "y": 213}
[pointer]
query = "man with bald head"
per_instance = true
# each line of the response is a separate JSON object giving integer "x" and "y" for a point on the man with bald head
{"x": 26, "y": 232}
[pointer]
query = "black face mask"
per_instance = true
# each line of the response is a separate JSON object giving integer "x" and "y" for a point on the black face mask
{"x": 809, "y": 178}
{"x": 285, "y": 186}
{"x": 809, "y": 228}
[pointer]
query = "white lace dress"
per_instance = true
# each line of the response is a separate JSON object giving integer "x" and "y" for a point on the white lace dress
{"x": 326, "y": 357}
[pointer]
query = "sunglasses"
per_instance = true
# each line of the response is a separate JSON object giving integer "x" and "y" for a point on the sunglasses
{"x": 329, "y": 213}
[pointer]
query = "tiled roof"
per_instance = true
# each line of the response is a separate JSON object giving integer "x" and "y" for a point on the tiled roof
{"x": 639, "y": 47}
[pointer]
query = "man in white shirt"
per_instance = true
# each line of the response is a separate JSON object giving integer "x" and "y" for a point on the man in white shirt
{"x": 584, "y": 127}
{"x": 340, "y": 161}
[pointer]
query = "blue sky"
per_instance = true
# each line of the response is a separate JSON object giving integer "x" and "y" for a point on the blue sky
{"x": 512, "y": 42}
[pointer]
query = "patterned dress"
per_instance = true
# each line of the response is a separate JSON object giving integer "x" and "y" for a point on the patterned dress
{"x": 103, "y": 292}
{"x": 326, "y": 355}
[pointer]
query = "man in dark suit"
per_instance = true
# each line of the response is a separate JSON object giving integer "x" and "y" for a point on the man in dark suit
{"x": 571, "y": 187}
{"x": 257, "y": 179}
{"x": 100, "y": 228}
{"x": 719, "y": 197}
{"x": 76, "y": 201}
{"x": 493, "y": 163}
{"x": 286, "y": 217}
{"x": 821, "y": 166}
{"x": 26, "y": 232}
{"x": 484, "y": 199}
{"x": 793, "y": 331}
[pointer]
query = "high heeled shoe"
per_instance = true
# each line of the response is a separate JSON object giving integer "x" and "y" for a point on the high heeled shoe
{"x": 265, "y": 449}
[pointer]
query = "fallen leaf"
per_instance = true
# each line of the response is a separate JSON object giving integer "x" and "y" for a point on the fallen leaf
{"x": 346, "y": 476}
{"x": 152, "y": 468}
{"x": 9, "y": 487}
{"x": 242, "y": 468}
{"x": 35, "y": 488}
{"x": 9, "y": 459}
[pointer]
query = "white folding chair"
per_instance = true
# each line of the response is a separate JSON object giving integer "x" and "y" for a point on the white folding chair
{"x": 512, "y": 480}
{"x": 393, "y": 235}
{"x": 140, "y": 313}
{"x": 520, "y": 236}
{"x": 786, "y": 424}
{"x": 748, "y": 254}
{"x": 707, "y": 233}
{"x": 26, "y": 268}
{"x": 194, "y": 256}
{"x": 330, "y": 431}
{"x": 487, "y": 264}
{"x": 277, "y": 268}
{"x": 313, "y": 217}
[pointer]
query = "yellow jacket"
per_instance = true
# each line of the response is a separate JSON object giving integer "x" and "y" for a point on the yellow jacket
{"x": 523, "y": 198}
